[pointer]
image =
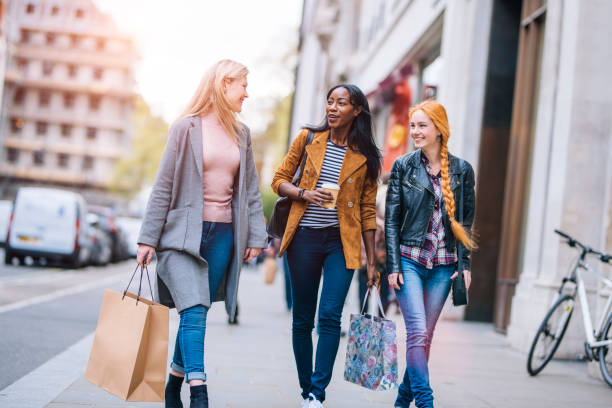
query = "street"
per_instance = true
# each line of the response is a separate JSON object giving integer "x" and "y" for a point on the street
{"x": 48, "y": 317}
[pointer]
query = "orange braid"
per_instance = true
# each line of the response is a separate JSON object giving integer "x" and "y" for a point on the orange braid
{"x": 437, "y": 114}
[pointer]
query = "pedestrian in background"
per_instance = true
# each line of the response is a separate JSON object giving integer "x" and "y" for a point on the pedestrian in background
{"x": 204, "y": 218}
{"x": 429, "y": 189}
{"x": 318, "y": 239}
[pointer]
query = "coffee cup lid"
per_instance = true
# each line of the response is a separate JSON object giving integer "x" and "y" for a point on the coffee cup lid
{"x": 331, "y": 186}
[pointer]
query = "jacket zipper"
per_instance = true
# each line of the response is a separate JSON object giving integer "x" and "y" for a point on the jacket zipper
{"x": 427, "y": 226}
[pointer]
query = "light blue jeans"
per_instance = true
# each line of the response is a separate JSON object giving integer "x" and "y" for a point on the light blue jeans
{"x": 421, "y": 299}
{"x": 216, "y": 247}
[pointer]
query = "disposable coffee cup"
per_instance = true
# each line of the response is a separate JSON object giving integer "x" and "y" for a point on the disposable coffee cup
{"x": 334, "y": 189}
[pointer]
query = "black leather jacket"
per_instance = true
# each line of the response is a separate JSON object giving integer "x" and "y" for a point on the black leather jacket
{"x": 410, "y": 202}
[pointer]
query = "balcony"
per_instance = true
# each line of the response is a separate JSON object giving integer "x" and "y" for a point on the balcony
{"x": 19, "y": 78}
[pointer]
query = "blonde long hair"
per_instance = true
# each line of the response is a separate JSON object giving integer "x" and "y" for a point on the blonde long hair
{"x": 436, "y": 112}
{"x": 209, "y": 96}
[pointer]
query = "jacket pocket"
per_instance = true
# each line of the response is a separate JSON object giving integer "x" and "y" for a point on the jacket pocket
{"x": 175, "y": 229}
{"x": 413, "y": 186}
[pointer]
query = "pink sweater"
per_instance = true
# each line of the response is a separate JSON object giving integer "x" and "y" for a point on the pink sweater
{"x": 221, "y": 161}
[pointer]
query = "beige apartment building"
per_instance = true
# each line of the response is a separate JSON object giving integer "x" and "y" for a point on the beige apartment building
{"x": 67, "y": 103}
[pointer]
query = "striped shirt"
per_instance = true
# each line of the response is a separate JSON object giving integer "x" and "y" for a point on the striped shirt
{"x": 319, "y": 217}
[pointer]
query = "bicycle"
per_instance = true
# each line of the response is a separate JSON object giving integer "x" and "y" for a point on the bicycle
{"x": 553, "y": 327}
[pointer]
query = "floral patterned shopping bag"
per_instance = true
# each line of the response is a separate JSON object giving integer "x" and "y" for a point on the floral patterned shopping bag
{"x": 371, "y": 353}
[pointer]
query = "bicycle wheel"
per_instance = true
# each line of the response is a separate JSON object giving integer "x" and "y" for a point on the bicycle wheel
{"x": 605, "y": 352}
{"x": 549, "y": 335}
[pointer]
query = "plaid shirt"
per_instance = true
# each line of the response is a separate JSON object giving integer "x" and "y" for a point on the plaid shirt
{"x": 434, "y": 251}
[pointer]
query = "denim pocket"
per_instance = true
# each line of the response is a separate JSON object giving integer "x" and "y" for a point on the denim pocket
{"x": 207, "y": 230}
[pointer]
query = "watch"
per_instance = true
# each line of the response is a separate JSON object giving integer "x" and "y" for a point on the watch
{"x": 301, "y": 194}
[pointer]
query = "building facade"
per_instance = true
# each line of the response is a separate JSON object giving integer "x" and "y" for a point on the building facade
{"x": 528, "y": 93}
{"x": 67, "y": 103}
{"x": 2, "y": 43}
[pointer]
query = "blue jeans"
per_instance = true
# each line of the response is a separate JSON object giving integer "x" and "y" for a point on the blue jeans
{"x": 216, "y": 247}
{"x": 421, "y": 299}
{"x": 310, "y": 252}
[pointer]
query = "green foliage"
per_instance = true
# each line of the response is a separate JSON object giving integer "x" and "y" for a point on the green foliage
{"x": 273, "y": 141}
{"x": 139, "y": 166}
{"x": 269, "y": 199}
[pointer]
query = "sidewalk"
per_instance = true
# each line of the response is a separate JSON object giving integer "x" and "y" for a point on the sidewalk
{"x": 251, "y": 365}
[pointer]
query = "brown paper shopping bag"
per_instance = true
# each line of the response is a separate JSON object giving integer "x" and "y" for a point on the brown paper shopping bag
{"x": 130, "y": 348}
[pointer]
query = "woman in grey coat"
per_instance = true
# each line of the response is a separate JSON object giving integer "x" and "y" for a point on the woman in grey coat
{"x": 204, "y": 218}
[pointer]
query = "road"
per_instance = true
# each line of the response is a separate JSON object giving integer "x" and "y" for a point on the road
{"x": 43, "y": 311}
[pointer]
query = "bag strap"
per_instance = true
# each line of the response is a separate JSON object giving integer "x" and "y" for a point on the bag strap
{"x": 145, "y": 269}
{"x": 378, "y": 301}
{"x": 297, "y": 178}
{"x": 460, "y": 220}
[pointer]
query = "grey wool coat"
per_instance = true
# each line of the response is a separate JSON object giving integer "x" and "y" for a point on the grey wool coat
{"x": 173, "y": 220}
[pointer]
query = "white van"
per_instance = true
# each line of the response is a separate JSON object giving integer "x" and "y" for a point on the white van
{"x": 48, "y": 223}
{"x": 5, "y": 214}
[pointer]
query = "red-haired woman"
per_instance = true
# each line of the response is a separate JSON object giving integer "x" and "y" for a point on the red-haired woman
{"x": 429, "y": 213}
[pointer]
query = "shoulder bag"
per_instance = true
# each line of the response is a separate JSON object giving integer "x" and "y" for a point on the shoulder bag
{"x": 280, "y": 214}
{"x": 459, "y": 291}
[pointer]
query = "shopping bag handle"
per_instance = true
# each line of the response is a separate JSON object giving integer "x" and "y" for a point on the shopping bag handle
{"x": 142, "y": 268}
{"x": 378, "y": 301}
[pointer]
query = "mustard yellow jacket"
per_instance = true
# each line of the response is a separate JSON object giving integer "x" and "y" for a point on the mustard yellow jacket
{"x": 356, "y": 201}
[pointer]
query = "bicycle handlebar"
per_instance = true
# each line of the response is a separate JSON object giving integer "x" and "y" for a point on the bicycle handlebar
{"x": 572, "y": 242}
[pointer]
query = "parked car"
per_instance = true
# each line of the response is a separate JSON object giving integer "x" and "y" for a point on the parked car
{"x": 48, "y": 223}
{"x": 107, "y": 221}
{"x": 5, "y": 214}
{"x": 101, "y": 250}
{"x": 131, "y": 227}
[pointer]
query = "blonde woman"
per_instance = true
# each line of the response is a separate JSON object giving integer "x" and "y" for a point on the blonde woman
{"x": 204, "y": 218}
{"x": 429, "y": 211}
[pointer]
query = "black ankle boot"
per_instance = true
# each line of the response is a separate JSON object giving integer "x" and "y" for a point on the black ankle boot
{"x": 173, "y": 391}
{"x": 199, "y": 396}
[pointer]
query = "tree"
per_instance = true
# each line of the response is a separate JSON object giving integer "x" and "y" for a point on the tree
{"x": 139, "y": 166}
{"x": 270, "y": 148}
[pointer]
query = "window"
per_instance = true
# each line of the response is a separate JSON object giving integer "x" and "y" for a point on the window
{"x": 62, "y": 160}
{"x": 50, "y": 38}
{"x": 91, "y": 133}
{"x": 19, "y": 96}
{"x": 54, "y": 11}
{"x": 79, "y": 13}
{"x": 22, "y": 64}
{"x": 97, "y": 73}
{"x": 66, "y": 130}
{"x": 44, "y": 98}
{"x": 41, "y": 128}
{"x": 12, "y": 155}
{"x": 47, "y": 68}
{"x": 72, "y": 71}
{"x": 75, "y": 40}
{"x": 94, "y": 102}
{"x": 100, "y": 44}
{"x": 30, "y": 8}
{"x": 16, "y": 125}
{"x": 68, "y": 100}
{"x": 88, "y": 163}
{"x": 38, "y": 157}
{"x": 25, "y": 36}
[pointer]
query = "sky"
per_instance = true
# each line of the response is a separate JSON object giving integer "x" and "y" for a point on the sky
{"x": 179, "y": 39}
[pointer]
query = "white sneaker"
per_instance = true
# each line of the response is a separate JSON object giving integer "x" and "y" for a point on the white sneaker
{"x": 314, "y": 402}
{"x": 306, "y": 403}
